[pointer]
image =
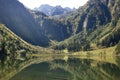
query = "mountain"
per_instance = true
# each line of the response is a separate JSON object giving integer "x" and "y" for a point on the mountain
{"x": 18, "y": 19}
{"x": 53, "y": 10}
{"x": 58, "y": 10}
{"x": 94, "y": 25}
{"x": 53, "y": 28}
{"x": 93, "y": 14}
{"x": 45, "y": 8}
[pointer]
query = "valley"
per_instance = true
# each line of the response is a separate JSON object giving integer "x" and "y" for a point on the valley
{"x": 91, "y": 32}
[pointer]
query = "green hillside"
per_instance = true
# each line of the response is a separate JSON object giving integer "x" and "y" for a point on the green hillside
{"x": 13, "y": 51}
{"x": 96, "y": 24}
{"x": 18, "y": 19}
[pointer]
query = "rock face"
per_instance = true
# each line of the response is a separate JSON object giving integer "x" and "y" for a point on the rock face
{"x": 18, "y": 19}
{"x": 52, "y": 28}
{"x": 95, "y": 13}
{"x": 53, "y": 10}
{"x": 97, "y": 22}
{"x": 46, "y": 9}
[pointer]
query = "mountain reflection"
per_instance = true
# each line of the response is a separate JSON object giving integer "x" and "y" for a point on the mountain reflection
{"x": 72, "y": 69}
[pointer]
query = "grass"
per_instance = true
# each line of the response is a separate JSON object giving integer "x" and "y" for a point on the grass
{"x": 106, "y": 54}
{"x": 98, "y": 52}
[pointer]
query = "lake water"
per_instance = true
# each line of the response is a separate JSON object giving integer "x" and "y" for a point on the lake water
{"x": 73, "y": 68}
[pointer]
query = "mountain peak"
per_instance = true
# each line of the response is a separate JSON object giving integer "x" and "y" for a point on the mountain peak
{"x": 53, "y": 10}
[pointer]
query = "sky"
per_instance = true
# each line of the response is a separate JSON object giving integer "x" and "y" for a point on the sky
{"x": 64, "y": 3}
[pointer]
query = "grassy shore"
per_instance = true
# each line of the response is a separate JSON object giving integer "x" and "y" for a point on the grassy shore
{"x": 99, "y": 52}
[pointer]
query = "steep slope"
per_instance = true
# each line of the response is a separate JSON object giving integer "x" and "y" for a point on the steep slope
{"x": 97, "y": 25}
{"x": 93, "y": 14}
{"x": 18, "y": 19}
{"x": 54, "y": 29}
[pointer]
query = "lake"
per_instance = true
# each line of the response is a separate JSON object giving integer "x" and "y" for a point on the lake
{"x": 73, "y": 68}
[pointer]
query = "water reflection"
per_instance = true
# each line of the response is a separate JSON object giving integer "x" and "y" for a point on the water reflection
{"x": 72, "y": 68}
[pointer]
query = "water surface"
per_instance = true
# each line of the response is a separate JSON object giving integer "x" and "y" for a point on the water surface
{"x": 72, "y": 68}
